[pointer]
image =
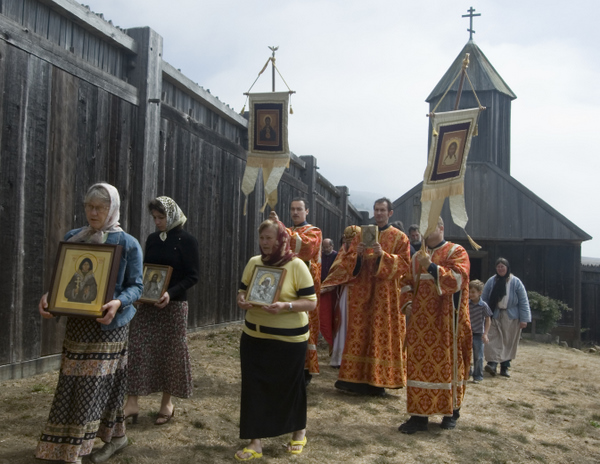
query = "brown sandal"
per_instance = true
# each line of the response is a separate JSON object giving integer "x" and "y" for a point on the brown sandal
{"x": 162, "y": 419}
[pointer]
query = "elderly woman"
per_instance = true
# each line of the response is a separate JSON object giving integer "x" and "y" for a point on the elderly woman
{"x": 159, "y": 360}
{"x": 90, "y": 391}
{"x": 506, "y": 296}
{"x": 273, "y": 348}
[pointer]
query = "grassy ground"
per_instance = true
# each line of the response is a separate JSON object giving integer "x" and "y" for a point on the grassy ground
{"x": 547, "y": 412}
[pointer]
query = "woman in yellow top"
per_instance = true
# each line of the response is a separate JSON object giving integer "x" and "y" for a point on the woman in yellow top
{"x": 273, "y": 349}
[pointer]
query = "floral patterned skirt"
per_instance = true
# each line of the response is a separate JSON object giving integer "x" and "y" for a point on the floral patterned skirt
{"x": 88, "y": 401}
{"x": 159, "y": 360}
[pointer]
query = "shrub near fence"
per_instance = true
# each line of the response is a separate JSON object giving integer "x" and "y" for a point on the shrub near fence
{"x": 545, "y": 311}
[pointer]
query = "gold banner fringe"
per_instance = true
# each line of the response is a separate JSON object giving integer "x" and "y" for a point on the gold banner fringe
{"x": 439, "y": 193}
{"x": 267, "y": 162}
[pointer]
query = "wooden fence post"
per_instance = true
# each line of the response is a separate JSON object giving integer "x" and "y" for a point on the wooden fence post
{"x": 309, "y": 177}
{"x": 146, "y": 76}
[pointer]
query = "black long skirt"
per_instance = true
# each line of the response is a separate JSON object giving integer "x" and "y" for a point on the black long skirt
{"x": 273, "y": 387}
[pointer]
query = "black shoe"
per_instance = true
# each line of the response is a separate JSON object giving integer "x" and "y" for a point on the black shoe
{"x": 448, "y": 423}
{"x": 504, "y": 373}
{"x": 414, "y": 424}
{"x": 375, "y": 391}
{"x": 347, "y": 387}
{"x": 363, "y": 389}
{"x": 307, "y": 377}
{"x": 490, "y": 370}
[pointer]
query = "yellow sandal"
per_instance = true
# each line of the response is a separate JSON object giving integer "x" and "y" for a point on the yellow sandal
{"x": 301, "y": 443}
{"x": 253, "y": 455}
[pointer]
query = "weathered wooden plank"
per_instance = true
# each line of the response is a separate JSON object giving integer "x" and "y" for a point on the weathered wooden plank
{"x": 210, "y": 101}
{"x": 87, "y": 122}
{"x": 101, "y": 134}
{"x": 13, "y": 9}
{"x": 66, "y": 61}
{"x": 202, "y": 131}
{"x": 60, "y": 194}
{"x": 13, "y": 109}
{"x": 54, "y": 29}
{"x": 33, "y": 217}
{"x": 29, "y": 13}
{"x": 91, "y": 22}
{"x": 42, "y": 20}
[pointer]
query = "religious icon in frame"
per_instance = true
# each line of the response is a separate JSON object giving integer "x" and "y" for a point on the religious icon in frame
{"x": 369, "y": 234}
{"x": 84, "y": 278}
{"x": 268, "y": 127}
{"x": 450, "y": 151}
{"x": 265, "y": 285}
{"x": 156, "y": 282}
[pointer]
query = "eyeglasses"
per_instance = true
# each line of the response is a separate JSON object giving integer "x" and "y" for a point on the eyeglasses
{"x": 99, "y": 209}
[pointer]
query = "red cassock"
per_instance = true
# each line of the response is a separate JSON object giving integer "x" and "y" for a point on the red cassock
{"x": 306, "y": 243}
{"x": 438, "y": 337}
{"x": 376, "y": 327}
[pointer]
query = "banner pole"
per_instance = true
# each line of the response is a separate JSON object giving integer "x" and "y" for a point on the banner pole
{"x": 465, "y": 65}
{"x": 273, "y": 49}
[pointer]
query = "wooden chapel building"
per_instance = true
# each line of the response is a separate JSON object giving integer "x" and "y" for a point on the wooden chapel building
{"x": 505, "y": 217}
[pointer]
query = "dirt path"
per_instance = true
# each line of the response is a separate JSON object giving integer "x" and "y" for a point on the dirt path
{"x": 547, "y": 412}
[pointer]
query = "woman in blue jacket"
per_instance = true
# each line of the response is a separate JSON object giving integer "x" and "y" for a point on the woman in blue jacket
{"x": 505, "y": 294}
{"x": 91, "y": 385}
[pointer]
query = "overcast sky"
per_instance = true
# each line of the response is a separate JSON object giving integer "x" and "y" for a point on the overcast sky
{"x": 362, "y": 71}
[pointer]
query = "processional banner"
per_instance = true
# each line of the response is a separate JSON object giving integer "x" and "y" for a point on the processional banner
{"x": 446, "y": 165}
{"x": 268, "y": 144}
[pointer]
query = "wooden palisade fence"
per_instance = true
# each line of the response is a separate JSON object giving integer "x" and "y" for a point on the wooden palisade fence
{"x": 82, "y": 102}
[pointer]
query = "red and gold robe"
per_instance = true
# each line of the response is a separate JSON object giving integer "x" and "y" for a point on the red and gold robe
{"x": 438, "y": 337}
{"x": 306, "y": 243}
{"x": 373, "y": 351}
{"x": 340, "y": 274}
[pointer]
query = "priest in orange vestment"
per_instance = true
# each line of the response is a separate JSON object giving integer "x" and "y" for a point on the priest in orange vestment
{"x": 438, "y": 336}
{"x": 373, "y": 358}
{"x": 305, "y": 242}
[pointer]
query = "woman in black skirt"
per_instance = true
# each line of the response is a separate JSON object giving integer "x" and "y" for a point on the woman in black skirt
{"x": 273, "y": 346}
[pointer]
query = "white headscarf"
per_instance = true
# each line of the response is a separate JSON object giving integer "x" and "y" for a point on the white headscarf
{"x": 175, "y": 216}
{"x": 111, "y": 224}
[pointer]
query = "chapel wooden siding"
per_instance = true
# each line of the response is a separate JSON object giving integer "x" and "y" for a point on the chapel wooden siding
{"x": 82, "y": 102}
{"x": 590, "y": 302}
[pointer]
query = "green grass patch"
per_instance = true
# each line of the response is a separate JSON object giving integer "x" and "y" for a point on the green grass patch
{"x": 529, "y": 415}
{"x": 521, "y": 438}
{"x": 559, "y": 446}
{"x": 42, "y": 388}
{"x": 339, "y": 441}
{"x": 484, "y": 429}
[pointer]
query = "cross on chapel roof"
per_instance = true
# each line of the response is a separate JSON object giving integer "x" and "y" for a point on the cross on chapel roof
{"x": 470, "y": 16}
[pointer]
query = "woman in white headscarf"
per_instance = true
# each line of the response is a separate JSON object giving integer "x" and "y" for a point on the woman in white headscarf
{"x": 159, "y": 360}
{"x": 88, "y": 402}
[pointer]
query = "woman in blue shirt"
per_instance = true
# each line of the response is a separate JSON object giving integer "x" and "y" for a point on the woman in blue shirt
{"x": 91, "y": 384}
{"x": 506, "y": 296}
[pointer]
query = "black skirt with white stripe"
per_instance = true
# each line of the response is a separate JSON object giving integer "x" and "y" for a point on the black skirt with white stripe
{"x": 273, "y": 387}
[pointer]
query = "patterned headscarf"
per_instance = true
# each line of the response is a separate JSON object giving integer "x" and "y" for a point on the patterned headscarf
{"x": 175, "y": 216}
{"x": 111, "y": 224}
{"x": 282, "y": 252}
